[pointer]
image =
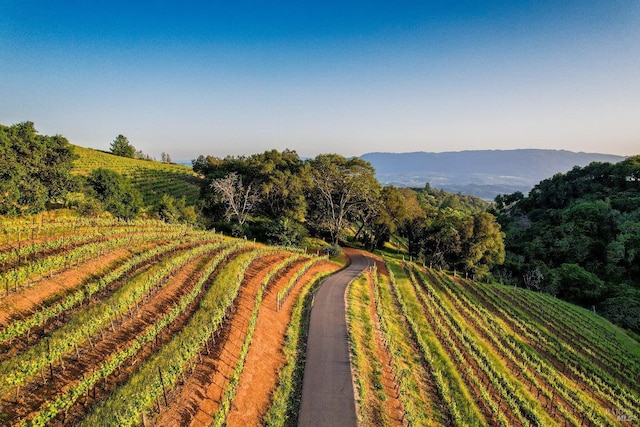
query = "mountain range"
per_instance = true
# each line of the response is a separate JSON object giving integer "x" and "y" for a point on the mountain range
{"x": 481, "y": 173}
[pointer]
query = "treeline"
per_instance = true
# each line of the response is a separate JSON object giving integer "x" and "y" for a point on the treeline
{"x": 274, "y": 197}
{"x": 279, "y": 198}
{"x": 577, "y": 236}
{"x": 35, "y": 174}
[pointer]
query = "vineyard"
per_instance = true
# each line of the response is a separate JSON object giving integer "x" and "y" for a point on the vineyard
{"x": 107, "y": 322}
{"x": 152, "y": 179}
{"x": 430, "y": 348}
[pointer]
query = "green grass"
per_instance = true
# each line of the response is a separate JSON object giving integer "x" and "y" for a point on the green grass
{"x": 152, "y": 179}
{"x": 523, "y": 357}
{"x": 364, "y": 359}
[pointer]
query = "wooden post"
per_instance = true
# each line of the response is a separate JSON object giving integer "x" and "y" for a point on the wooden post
{"x": 49, "y": 357}
{"x": 164, "y": 393}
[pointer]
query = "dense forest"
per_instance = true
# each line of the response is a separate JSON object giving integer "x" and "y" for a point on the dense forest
{"x": 577, "y": 236}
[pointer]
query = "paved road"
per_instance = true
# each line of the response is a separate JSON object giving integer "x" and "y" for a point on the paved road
{"x": 327, "y": 391}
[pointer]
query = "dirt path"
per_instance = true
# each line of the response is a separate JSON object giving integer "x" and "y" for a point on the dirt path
{"x": 265, "y": 358}
{"x": 327, "y": 388}
{"x": 199, "y": 398}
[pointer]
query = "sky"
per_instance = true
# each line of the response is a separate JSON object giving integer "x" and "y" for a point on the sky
{"x": 237, "y": 78}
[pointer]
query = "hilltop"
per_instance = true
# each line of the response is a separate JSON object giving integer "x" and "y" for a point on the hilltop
{"x": 481, "y": 173}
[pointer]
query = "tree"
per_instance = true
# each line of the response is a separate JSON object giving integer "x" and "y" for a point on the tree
{"x": 576, "y": 284}
{"x": 116, "y": 193}
{"x": 341, "y": 189}
{"x": 471, "y": 242}
{"x": 165, "y": 157}
{"x": 387, "y": 214}
{"x": 172, "y": 210}
{"x": 239, "y": 200}
{"x": 121, "y": 147}
{"x": 34, "y": 169}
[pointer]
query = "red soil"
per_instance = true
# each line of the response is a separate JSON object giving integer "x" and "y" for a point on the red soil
{"x": 30, "y": 299}
{"x": 91, "y": 354}
{"x": 265, "y": 358}
{"x": 197, "y": 401}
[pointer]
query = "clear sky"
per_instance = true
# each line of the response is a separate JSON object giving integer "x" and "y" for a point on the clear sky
{"x": 234, "y": 77}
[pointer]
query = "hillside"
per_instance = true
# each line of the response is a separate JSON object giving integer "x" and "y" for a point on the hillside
{"x": 431, "y": 349}
{"x": 106, "y": 322}
{"x": 481, "y": 173}
{"x": 151, "y": 178}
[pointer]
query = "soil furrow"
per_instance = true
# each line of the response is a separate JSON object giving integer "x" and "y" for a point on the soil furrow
{"x": 393, "y": 408}
{"x": 196, "y": 401}
{"x": 265, "y": 357}
{"x": 91, "y": 354}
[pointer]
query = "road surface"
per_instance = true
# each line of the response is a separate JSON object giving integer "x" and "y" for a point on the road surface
{"x": 327, "y": 390}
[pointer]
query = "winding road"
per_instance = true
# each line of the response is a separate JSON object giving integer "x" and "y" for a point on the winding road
{"x": 327, "y": 390}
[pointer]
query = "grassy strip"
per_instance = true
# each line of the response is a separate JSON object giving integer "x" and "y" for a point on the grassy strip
{"x": 508, "y": 390}
{"x": 455, "y": 395}
{"x": 72, "y": 394}
{"x": 285, "y": 400}
{"x": 364, "y": 359}
{"x": 407, "y": 364}
{"x": 576, "y": 365}
{"x": 24, "y": 276}
{"x": 21, "y": 326}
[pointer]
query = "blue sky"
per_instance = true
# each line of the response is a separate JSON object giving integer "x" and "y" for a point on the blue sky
{"x": 230, "y": 78}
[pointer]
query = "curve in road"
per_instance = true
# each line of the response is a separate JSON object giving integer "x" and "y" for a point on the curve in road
{"x": 327, "y": 389}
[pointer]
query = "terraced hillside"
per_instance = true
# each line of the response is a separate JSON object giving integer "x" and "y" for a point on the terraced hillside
{"x": 105, "y": 322}
{"x": 433, "y": 349}
{"x": 152, "y": 179}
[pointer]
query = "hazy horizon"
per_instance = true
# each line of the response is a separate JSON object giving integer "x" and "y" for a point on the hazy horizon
{"x": 215, "y": 78}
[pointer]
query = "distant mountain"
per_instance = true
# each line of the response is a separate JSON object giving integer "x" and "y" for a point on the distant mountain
{"x": 481, "y": 173}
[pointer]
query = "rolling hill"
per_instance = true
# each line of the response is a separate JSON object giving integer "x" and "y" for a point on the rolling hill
{"x": 151, "y": 178}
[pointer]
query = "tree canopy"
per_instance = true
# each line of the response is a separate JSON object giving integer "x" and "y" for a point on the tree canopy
{"x": 342, "y": 189}
{"x": 116, "y": 193}
{"x": 34, "y": 169}
{"x": 581, "y": 231}
{"x": 122, "y": 147}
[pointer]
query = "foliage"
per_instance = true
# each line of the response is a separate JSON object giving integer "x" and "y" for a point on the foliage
{"x": 116, "y": 193}
{"x": 175, "y": 211}
{"x": 581, "y": 230}
{"x": 285, "y": 231}
{"x": 456, "y": 239}
{"x": 122, "y": 147}
{"x": 34, "y": 169}
{"x": 278, "y": 198}
{"x": 332, "y": 250}
{"x": 342, "y": 189}
{"x": 443, "y": 199}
